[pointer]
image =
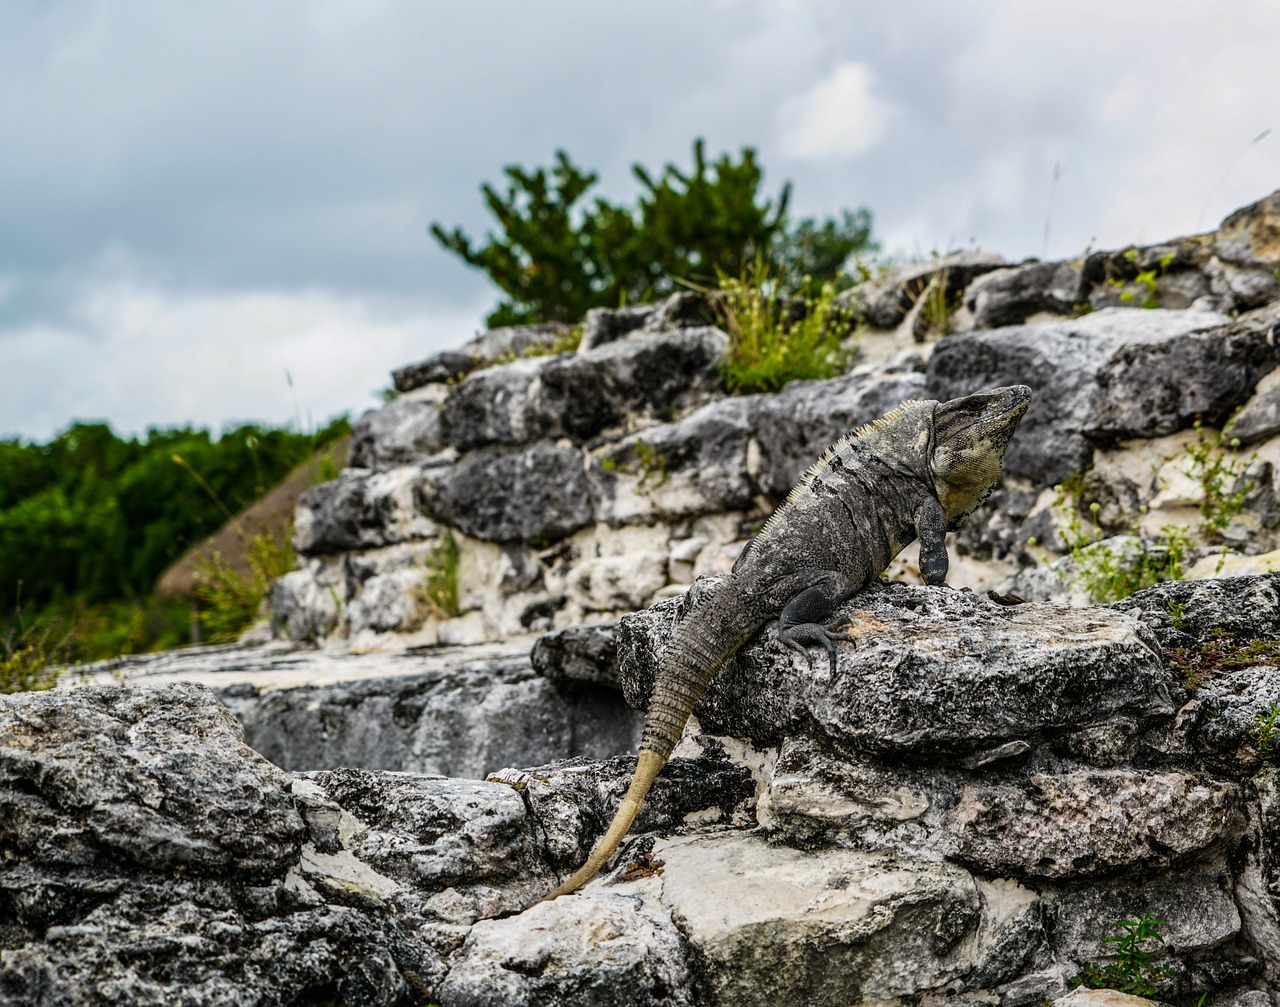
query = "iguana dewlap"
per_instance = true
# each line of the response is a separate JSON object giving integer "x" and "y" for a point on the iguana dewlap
{"x": 918, "y": 472}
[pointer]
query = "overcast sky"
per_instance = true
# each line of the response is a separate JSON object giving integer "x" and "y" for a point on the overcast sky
{"x": 198, "y": 199}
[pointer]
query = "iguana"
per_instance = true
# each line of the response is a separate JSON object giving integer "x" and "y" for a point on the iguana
{"x": 919, "y": 471}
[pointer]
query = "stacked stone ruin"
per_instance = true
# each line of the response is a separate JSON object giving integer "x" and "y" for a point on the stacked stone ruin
{"x": 957, "y": 813}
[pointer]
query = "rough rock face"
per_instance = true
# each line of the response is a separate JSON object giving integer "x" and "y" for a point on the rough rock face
{"x": 1048, "y": 773}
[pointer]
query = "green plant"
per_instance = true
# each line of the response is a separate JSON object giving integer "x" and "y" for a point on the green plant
{"x": 937, "y": 304}
{"x": 440, "y": 583}
{"x": 1265, "y": 729}
{"x": 1133, "y": 970}
{"x": 230, "y": 598}
{"x": 1109, "y": 573}
{"x": 1220, "y": 471}
{"x": 1221, "y": 652}
{"x": 31, "y": 656}
{"x": 555, "y": 257}
{"x": 769, "y": 346}
{"x": 1145, "y": 281}
{"x": 653, "y": 465}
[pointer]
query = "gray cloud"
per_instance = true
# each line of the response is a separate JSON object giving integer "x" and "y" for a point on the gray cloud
{"x": 287, "y": 155}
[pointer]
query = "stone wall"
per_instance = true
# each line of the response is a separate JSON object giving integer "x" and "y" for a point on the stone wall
{"x": 581, "y": 486}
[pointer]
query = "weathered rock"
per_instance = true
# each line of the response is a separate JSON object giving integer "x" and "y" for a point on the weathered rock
{"x": 770, "y": 925}
{"x": 1011, "y": 296}
{"x": 150, "y": 858}
{"x": 305, "y": 604}
{"x": 1196, "y": 906}
{"x": 534, "y": 495}
{"x": 159, "y": 778}
{"x": 404, "y": 431}
{"x": 579, "y": 653}
{"x": 574, "y": 800}
{"x": 390, "y": 602}
{"x": 697, "y": 465}
{"x": 485, "y": 349}
{"x": 1136, "y": 820}
{"x": 607, "y": 325}
{"x": 1061, "y": 362}
{"x": 815, "y": 797}
{"x": 1251, "y": 235}
{"x": 1147, "y": 389}
{"x": 428, "y": 833}
{"x": 883, "y": 302}
{"x": 466, "y": 720}
{"x": 684, "y": 310}
{"x": 579, "y": 395}
{"x": 1259, "y": 418}
{"x": 935, "y": 673}
{"x": 617, "y": 583}
{"x": 362, "y": 510}
{"x": 1246, "y": 608}
{"x": 597, "y": 950}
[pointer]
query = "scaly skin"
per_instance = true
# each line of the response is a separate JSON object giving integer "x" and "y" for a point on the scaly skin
{"x": 917, "y": 473}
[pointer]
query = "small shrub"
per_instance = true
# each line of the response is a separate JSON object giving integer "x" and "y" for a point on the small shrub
{"x": 440, "y": 584}
{"x": 938, "y": 307}
{"x": 1221, "y": 652}
{"x": 653, "y": 465}
{"x": 767, "y": 349}
{"x": 1133, "y": 970}
{"x": 31, "y": 656}
{"x": 1219, "y": 470}
{"x": 1109, "y": 573}
{"x": 1265, "y": 729}
{"x": 230, "y": 599}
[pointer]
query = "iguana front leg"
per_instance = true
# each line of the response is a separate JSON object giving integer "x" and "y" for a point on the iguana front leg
{"x": 805, "y": 619}
{"x": 931, "y": 529}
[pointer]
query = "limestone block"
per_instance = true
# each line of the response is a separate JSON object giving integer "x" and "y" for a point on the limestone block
{"x": 307, "y": 605}
{"x": 1196, "y": 905}
{"x": 697, "y": 465}
{"x": 598, "y": 950}
{"x": 404, "y": 431}
{"x": 1010, "y": 296}
{"x": 617, "y": 583}
{"x": 1082, "y": 823}
{"x": 1085, "y": 382}
{"x": 580, "y": 395}
{"x": 362, "y": 510}
{"x": 534, "y": 495}
{"x": 770, "y": 925}
{"x": 884, "y": 301}
{"x": 934, "y": 671}
{"x": 390, "y": 602}
{"x": 482, "y": 351}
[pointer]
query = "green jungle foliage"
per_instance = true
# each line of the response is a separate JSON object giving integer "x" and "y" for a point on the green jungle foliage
{"x": 89, "y": 520}
{"x": 556, "y": 256}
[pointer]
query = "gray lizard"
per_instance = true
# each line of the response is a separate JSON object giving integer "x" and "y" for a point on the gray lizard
{"x": 918, "y": 472}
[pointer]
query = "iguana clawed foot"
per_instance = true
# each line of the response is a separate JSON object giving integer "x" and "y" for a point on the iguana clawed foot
{"x": 797, "y": 636}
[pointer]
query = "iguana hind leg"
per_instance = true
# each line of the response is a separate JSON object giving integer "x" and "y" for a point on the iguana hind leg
{"x": 806, "y": 618}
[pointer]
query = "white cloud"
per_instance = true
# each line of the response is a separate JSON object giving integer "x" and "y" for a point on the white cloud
{"x": 838, "y": 117}
{"x": 138, "y": 356}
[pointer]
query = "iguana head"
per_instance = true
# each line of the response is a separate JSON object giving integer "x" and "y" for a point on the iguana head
{"x": 969, "y": 440}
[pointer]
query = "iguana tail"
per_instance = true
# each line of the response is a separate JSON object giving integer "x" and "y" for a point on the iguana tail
{"x": 707, "y": 638}
{"x": 647, "y": 769}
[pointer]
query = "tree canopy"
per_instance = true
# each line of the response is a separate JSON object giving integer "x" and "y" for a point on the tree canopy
{"x": 556, "y": 256}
